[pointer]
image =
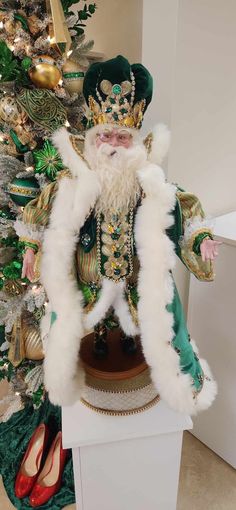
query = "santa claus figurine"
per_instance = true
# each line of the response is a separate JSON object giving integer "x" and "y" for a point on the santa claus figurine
{"x": 111, "y": 226}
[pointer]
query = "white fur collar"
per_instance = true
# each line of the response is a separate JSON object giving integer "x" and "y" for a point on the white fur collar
{"x": 159, "y": 146}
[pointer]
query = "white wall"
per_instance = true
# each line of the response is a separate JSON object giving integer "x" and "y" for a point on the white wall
{"x": 190, "y": 47}
{"x": 159, "y": 41}
{"x": 203, "y": 150}
{"x": 116, "y": 28}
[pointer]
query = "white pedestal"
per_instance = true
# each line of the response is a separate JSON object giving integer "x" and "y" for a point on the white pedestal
{"x": 212, "y": 322}
{"x": 125, "y": 462}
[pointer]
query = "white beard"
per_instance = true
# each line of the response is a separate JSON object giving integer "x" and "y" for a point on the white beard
{"x": 116, "y": 168}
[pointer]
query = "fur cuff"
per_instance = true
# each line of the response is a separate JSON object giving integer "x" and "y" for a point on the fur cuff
{"x": 193, "y": 228}
{"x": 29, "y": 231}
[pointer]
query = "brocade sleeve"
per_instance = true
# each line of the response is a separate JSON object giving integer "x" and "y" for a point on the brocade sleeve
{"x": 195, "y": 228}
{"x": 35, "y": 217}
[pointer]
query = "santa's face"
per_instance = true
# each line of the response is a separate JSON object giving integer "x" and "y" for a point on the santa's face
{"x": 115, "y": 153}
{"x": 115, "y": 138}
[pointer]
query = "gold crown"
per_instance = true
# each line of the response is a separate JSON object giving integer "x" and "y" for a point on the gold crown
{"x": 116, "y": 108}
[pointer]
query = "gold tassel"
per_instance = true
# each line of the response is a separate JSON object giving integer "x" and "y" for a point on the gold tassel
{"x": 16, "y": 353}
{"x": 59, "y": 33}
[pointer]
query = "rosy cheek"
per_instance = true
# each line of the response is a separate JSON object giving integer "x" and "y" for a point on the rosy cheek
{"x": 98, "y": 142}
{"x": 128, "y": 144}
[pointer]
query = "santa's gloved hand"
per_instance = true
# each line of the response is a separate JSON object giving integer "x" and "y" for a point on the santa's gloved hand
{"x": 28, "y": 264}
{"x": 209, "y": 249}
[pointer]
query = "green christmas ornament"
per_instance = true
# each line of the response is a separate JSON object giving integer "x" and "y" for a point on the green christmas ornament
{"x": 22, "y": 190}
{"x": 47, "y": 161}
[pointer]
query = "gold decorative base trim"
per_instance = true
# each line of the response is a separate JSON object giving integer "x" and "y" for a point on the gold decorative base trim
{"x": 110, "y": 412}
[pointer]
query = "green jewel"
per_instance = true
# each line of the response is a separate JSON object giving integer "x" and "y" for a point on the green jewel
{"x": 109, "y": 109}
{"x": 122, "y": 100}
{"x": 47, "y": 161}
{"x": 117, "y": 254}
{"x": 123, "y": 110}
{"x": 115, "y": 236}
{"x": 112, "y": 100}
{"x": 115, "y": 116}
{"x": 116, "y": 89}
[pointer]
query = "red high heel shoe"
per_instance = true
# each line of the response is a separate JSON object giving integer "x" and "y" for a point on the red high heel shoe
{"x": 49, "y": 480}
{"x": 31, "y": 463}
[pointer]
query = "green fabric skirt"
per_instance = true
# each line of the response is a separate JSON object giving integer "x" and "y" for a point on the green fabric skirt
{"x": 14, "y": 438}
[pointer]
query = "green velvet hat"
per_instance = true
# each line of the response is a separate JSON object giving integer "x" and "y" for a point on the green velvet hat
{"x": 117, "y": 92}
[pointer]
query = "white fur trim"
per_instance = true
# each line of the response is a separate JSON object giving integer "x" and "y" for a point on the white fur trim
{"x": 155, "y": 288}
{"x": 71, "y": 206}
{"x": 107, "y": 297}
{"x": 195, "y": 224}
{"x": 160, "y": 144}
{"x": 112, "y": 294}
{"x": 31, "y": 231}
{"x": 209, "y": 390}
{"x": 61, "y": 140}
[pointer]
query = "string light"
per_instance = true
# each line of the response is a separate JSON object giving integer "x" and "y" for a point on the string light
{"x": 69, "y": 53}
{"x": 29, "y": 168}
{"x": 51, "y": 40}
{"x": 1, "y": 25}
{"x": 67, "y": 124}
{"x": 60, "y": 82}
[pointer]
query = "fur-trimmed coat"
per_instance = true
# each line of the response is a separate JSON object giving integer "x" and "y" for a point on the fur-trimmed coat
{"x": 182, "y": 380}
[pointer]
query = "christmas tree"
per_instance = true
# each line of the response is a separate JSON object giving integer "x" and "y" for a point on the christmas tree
{"x": 43, "y": 58}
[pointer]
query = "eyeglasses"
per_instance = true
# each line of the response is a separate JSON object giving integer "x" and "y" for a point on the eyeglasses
{"x": 122, "y": 135}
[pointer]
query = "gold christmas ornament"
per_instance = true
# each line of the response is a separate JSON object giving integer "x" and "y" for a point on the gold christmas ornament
{"x": 32, "y": 341}
{"x": 10, "y": 111}
{"x": 73, "y": 77}
{"x": 16, "y": 352}
{"x": 58, "y": 31}
{"x": 44, "y": 72}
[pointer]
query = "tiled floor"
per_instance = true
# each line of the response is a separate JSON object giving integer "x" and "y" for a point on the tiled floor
{"x": 206, "y": 481}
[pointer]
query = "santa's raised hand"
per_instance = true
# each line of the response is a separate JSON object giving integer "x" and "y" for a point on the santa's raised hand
{"x": 209, "y": 249}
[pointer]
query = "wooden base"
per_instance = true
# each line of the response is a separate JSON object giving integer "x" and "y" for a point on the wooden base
{"x": 117, "y": 365}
